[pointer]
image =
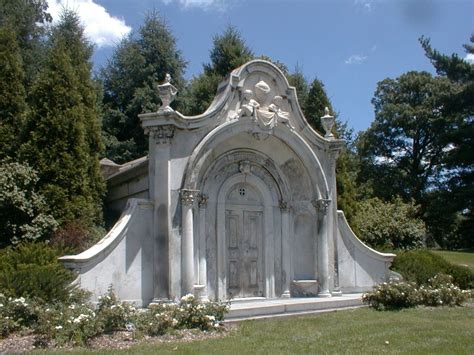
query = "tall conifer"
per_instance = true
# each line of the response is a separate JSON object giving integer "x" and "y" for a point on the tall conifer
{"x": 63, "y": 128}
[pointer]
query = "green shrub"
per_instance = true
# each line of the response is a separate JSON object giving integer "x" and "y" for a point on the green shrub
{"x": 389, "y": 225}
{"x": 439, "y": 291}
{"x": 421, "y": 265}
{"x": 33, "y": 270}
{"x": 393, "y": 295}
{"x": 112, "y": 314}
{"x": 22, "y": 207}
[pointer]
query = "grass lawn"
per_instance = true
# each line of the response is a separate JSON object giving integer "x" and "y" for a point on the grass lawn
{"x": 420, "y": 330}
{"x": 457, "y": 257}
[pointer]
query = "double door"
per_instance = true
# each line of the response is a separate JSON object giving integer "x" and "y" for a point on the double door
{"x": 244, "y": 230}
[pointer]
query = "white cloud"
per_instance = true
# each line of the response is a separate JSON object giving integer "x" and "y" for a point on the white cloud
{"x": 356, "y": 59}
{"x": 363, "y": 5}
{"x": 203, "y": 4}
{"x": 99, "y": 26}
{"x": 470, "y": 58}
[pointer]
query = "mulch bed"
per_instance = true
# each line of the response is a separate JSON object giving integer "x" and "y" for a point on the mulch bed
{"x": 19, "y": 343}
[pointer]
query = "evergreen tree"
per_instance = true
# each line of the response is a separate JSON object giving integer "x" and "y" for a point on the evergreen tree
{"x": 316, "y": 101}
{"x": 60, "y": 128}
{"x": 138, "y": 64}
{"x": 28, "y": 19}
{"x": 229, "y": 52}
{"x": 299, "y": 81}
{"x": 12, "y": 94}
{"x": 452, "y": 206}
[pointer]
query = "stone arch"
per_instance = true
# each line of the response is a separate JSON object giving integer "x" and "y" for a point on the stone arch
{"x": 202, "y": 153}
{"x": 269, "y": 202}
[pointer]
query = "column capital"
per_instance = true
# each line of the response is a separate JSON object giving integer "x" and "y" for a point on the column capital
{"x": 322, "y": 205}
{"x": 284, "y": 206}
{"x": 161, "y": 134}
{"x": 188, "y": 196}
{"x": 202, "y": 200}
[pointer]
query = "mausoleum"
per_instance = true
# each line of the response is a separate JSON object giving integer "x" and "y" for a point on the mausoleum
{"x": 238, "y": 202}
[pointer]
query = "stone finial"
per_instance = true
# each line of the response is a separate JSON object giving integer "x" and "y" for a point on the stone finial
{"x": 327, "y": 121}
{"x": 167, "y": 92}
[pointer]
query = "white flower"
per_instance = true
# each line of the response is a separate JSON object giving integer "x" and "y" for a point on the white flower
{"x": 210, "y": 317}
{"x": 216, "y": 325}
{"x": 1, "y": 304}
{"x": 58, "y": 327}
{"x": 113, "y": 306}
{"x": 72, "y": 306}
{"x": 188, "y": 297}
{"x": 174, "y": 322}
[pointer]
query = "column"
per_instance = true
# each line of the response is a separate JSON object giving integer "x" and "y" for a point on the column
{"x": 285, "y": 248}
{"x": 187, "y": 241}
{"x": 322, "y": 205}
{"x": 333, "y": 154}
{"x": 160, "y": 138}
{"x": 201, "y": 289}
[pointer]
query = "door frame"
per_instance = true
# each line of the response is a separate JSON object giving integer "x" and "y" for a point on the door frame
{"x": 269, "y": 205}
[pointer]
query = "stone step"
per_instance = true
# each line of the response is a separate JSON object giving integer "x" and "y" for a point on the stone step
{"x": 267, "y": 308}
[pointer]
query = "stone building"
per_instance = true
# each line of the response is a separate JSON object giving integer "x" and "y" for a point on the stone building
{"x": 239, "y": 202}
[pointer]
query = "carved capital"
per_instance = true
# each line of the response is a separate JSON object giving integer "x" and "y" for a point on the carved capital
{"x": 322, "y": 205}
{"x": 188, "y": 196}
{"x": 161, "y": 134}
{"x": 202, "y": 200}
{"x": 284, "y": 206}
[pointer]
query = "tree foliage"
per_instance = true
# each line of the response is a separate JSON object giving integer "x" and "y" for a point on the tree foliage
{"x": 458, "y": 207}
{"x": 23, "y": 210}
{"x": 12, "y": 93}
{"x": 63, "y": 140}
{"x": 389, "y": 225}
{"x": 138, "y": 64}
{"x": 229, "y": 52}
{"x": 28, "y": 19}
{"x": 401, "y": 152}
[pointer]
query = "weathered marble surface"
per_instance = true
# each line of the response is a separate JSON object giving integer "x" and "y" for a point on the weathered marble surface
{"x": 241, "y": 202}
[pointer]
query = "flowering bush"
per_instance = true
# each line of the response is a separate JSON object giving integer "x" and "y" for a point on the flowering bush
{"x": 393, "y": 295}
{"x": 76, "y": 322}
{"x": 16, "y": 313}
{"x": 440, "y": 291}
{"x": 113, "y": 314}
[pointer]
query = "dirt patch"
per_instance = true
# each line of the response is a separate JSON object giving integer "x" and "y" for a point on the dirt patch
{"x": 19, "y": 343}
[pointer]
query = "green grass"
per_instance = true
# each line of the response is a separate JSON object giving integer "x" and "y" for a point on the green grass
{"x": 457, "y": 257}
{"x": 359, "y": 331}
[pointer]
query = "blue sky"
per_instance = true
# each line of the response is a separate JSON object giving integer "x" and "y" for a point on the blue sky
{"x": 349, "y": 44}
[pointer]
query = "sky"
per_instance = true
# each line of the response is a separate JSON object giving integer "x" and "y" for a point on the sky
{"x": 350, "y": 45}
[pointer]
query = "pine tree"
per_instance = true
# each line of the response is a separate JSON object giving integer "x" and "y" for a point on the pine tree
{"x": 316, "y": 101}
{"x": 60, "y": 128}
{"x": 139, "y": 62}
{"x": 229, "y": 52}
{"x": 12, "y": 94}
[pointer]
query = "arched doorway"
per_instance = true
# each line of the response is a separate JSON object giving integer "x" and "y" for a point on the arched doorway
{"x": 244, "y": 233}
{"x": 245, "y": 238}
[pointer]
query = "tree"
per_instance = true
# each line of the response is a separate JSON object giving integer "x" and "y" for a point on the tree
{"x": 229, "y": 52}
{"x": 316, "y": 101}
{"x": 392, "y": 225}
{"x": 12, "y": 94}
{"x": 138, "y": 64}
{"x": 62, "y": 142}
{"x": 299, "y": 81}
{"x": 459, "y": 159}
{"x": 28, "y": 19}
{"x": 401, "y": 152}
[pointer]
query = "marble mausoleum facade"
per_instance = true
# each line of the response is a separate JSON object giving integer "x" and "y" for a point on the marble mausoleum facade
{"x": 239, "y": 202}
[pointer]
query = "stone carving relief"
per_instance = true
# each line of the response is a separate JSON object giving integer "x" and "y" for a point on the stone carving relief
{"x": 188, "y": 196}
{"x": 161, "y": 134}
{"x": 254, "y": 106}
{"x": 322, "y": 205}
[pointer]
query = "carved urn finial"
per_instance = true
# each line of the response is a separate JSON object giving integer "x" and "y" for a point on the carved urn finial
{"x": 167, "y": 92}
{"x": 327, "y": 121}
